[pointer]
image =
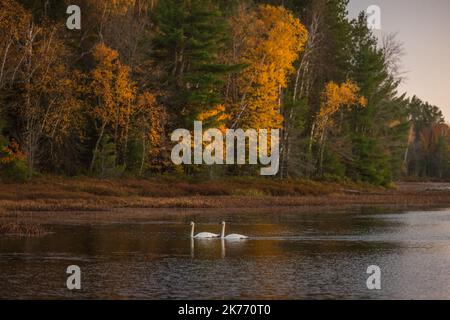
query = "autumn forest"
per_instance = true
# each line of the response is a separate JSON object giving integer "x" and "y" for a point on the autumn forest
{"x": 103, "y": 100}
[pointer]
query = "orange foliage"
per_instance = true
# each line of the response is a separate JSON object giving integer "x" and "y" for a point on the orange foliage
{"x": 13, "y": 20}
{"x": 429, "y": 137}
{"x": 152, "y": 118}
{"x": 334, "y": 98}
{"x": 113, "y": 89}
{"x": 269, "y": 40}
{"x": 215, "y": 117}
{"x": 11, "y": 153}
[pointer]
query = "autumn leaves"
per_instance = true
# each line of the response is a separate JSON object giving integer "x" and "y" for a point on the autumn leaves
{"x": 118, "y": 108}
{"x": 267, "y": 40}
{"x": 334, "y": 98}
{"x": 103, "y": 99}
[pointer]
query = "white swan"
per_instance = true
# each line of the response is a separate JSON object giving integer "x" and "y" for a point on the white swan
{"x": 202, "y": 235}
{"x": 231, "y": 236}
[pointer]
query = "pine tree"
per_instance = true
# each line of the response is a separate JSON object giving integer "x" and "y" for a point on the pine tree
{"x": 378, "y": 132}
{"x": 190, "y": 36}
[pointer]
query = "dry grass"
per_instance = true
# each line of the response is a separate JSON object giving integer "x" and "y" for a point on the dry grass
{"x": 21, "y": 229}
{"x": 67, "y": 188}
{"x": 88, "y": 194}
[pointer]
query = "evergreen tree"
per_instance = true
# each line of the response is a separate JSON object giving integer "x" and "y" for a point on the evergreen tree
{"x": 377, "y": 131}
{"x": 190, "y": 36}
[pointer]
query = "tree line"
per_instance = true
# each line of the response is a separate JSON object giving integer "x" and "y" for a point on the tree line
{"x": 103, "y": 100}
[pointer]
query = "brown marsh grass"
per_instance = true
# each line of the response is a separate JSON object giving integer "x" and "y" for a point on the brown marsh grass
{"x": 89, "y": 194}
{"x": 21, "y": 229}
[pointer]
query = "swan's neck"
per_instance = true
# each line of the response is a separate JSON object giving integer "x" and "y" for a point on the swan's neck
{"x": 223, "y": 231}
{"x": 223, "y": 248}
{"x": 192, "y": 230}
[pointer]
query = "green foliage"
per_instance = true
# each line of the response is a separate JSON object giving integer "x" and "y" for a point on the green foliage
{"x": 12, "y": 168}
{"x": 16, "y": 171}
{"x": 429, "y": 141}
{"x": 176, "y": 54}
{"x": 377, "y": 131}
{"x": 372, "y": 165}
{"x": 134, "y": 164}
{"x": 105, "y": 163}
{"x": 423, "y": 114}
{"x": 190, "y": 36}
{"x": 333, "y": 166}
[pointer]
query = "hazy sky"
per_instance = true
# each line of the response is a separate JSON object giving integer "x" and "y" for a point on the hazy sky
{"x": 423, "y": 26}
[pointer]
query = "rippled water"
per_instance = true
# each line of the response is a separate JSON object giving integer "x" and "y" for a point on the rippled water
{"x": 289, "y": 256}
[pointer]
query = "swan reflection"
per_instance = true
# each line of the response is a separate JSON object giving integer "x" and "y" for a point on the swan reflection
{"x": 211, "y": 246}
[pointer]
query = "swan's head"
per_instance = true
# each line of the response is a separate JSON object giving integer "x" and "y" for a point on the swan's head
{"x": 192, "y": 223}
{"x": 223, "y": 223}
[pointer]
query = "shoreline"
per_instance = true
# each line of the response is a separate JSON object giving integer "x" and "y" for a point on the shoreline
{"x": 62, "y": 199}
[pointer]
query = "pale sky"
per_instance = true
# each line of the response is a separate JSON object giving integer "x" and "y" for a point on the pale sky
{"x": 423, "y": 26}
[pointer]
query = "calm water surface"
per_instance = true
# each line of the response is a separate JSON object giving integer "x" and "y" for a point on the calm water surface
{"x": 289, "y": 256}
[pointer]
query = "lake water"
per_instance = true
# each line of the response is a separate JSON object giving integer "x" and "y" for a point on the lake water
{"x": 289, "y": 256}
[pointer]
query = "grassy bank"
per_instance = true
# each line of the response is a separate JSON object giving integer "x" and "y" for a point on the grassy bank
{"x": 89, "y": 194}
{"x": 69, "y": 194}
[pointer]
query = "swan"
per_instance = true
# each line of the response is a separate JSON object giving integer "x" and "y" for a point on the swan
{"x": 202, "y": 235}
{"x": 231, "y": 236}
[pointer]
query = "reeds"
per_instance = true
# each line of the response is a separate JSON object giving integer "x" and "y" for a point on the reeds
{"x": 89, "y": 194}
{"x": 22, "y": 229}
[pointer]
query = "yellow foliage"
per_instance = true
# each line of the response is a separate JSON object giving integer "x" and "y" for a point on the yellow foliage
{"x": 122, "y": 6}
{"x": 65, "y": 114}
{"x": 151, "y": 119}
{"x": 13, "y": 20}
{"x": 113, "y": 88}
{"x": 335, "y": 97}
{"x": 216, "y": 116}
{"x": 269, "y": 40}
{"x": 114, "y": 7}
